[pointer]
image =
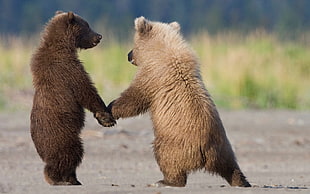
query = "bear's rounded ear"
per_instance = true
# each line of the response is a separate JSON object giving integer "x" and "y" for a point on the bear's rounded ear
{"x": 58, "y": 12}
{"x": 70, "y": 16}
{"x": 175, "y": 25}
{"x": 142, "y": 25}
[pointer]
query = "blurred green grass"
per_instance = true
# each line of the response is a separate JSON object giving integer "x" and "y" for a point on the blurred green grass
{"x": 255, "y": 71}
{"x": 241, "y": 71}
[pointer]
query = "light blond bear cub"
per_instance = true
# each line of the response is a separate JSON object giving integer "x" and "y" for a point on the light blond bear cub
{"x": 189, "y": 134}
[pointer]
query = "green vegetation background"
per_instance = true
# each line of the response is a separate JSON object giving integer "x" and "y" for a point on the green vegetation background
{"x": 253, "y": 71}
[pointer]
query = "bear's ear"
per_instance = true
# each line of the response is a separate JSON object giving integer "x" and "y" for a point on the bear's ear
{"x": 175, "y": 25}
{"x": 70, "y": 16}
{"x": 58, "y": 12}
{"x": 142, "y": 25}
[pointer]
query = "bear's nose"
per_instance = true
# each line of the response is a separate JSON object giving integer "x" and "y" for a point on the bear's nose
{"x": 130, "y": 57}
{"x": 98, "y": 37}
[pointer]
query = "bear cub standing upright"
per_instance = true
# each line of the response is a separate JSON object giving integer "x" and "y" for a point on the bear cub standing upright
{"x": 62, "y": 90}
{"x": 189, "y": 134}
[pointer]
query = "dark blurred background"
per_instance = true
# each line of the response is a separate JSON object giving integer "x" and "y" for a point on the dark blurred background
{"x": 24, "y": 17}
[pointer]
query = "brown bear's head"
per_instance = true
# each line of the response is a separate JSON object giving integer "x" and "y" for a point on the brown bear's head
{"x": 153, "y": 39}
{"x": 71, "y": 27}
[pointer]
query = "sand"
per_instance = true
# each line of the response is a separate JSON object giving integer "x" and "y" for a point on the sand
{"x": 272, "y": 147}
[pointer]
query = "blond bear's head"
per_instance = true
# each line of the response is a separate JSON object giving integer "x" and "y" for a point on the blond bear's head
{"x": 153, "y": 40}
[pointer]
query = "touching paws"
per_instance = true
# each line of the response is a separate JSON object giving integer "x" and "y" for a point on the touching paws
{"x": 115, "y": 116}
{"x": 105, "y": 119}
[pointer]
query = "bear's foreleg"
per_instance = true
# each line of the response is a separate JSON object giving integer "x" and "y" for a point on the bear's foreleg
{"x": 131, "y": 103}
{"x": 88, "y": 97}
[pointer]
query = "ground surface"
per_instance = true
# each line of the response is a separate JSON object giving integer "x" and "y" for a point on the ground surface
{"x": 272, "y": 147}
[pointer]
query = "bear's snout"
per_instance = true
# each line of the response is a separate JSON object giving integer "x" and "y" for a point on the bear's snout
{"x": 97, "y": 39}
{"x": 130, "y": 58}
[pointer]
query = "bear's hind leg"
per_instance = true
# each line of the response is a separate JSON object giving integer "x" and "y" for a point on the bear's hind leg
{"x": 238, "y": 179}
{"x": 174, "y": 174}
{"x": 55, "y": 177}
{"x": 226, "y": 166}
{"x": 172, "y": 179}
{"x": 61, "y": 165}
{"x": 233, "y": 176}
{"x": 71, "y": 178}
{"x": 231, "y": 172}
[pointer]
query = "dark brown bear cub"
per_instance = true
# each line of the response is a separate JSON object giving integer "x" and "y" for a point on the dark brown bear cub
{"x": 62, "y": 90}
{"x": 189, "y": 134}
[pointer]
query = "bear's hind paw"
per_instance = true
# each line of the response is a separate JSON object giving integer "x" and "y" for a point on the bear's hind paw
{"x": 163, "y": 183}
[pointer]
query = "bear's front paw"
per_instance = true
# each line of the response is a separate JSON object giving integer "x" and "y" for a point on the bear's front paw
{"x": 111, "y": 108}
{"x": 105, "y": 119}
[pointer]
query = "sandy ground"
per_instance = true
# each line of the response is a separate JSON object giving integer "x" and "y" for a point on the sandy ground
{"x": 272, "y": 147}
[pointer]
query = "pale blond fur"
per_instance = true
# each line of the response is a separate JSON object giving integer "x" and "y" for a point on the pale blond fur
{"x": 189, "y": 134}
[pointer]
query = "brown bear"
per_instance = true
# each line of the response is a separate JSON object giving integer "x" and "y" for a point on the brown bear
{"x": 189, "y": 134}
{"x": 62, "y": 90}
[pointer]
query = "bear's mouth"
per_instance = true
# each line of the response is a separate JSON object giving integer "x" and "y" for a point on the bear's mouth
{"x": 132, "y": 62}
{"x": 95, "y": 43}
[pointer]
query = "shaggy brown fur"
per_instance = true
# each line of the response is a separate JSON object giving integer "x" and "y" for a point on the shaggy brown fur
{"x": 189, "y": 134}
{"x": 62, "y": 90}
